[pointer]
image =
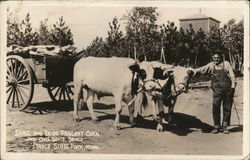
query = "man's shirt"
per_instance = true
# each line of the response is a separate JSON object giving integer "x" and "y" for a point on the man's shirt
{"x": 223, "y": 65}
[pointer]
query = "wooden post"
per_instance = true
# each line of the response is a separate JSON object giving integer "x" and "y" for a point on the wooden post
{"x": 135, "y": 55}
{"x": 162, "y": 59}
{"x": 196, "y": 56}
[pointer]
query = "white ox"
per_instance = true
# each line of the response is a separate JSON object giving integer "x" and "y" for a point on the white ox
{"x": 106, "y": 77}
{"x": 166, "y": 83}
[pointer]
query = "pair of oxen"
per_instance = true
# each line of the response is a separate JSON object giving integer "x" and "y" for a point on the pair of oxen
{"x": 126, "y": 80}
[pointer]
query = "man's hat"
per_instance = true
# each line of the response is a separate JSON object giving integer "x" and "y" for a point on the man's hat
{"x": 217, "y": 52}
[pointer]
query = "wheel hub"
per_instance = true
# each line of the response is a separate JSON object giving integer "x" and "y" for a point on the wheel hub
{"x": 13, "y": 83}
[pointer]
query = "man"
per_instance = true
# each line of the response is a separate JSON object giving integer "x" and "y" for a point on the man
{"x": 223, "y": 86}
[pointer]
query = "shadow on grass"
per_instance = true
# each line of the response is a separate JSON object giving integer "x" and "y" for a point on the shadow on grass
{"x": 183, "y": 124}
{"x": 65, "y": 106}
{"x": 236, "y": 128}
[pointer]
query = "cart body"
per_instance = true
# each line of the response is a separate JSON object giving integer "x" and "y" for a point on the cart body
{"x": 53, "y": 72}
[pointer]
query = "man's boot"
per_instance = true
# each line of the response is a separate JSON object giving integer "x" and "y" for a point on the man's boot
{"x": 216, "y": 130}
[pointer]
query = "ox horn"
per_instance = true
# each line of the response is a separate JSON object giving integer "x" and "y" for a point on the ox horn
{"x": 168, "y": 72}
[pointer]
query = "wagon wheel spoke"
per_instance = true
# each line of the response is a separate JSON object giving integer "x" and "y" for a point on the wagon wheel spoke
{"x": 23, "y": 81}
{"x": 22, "y": 76}
{"x": 12, "y": 67}
{"x": 13, "y": 100}
{"x": 64, "y": 90}
{"x": 23, "y": 93}
{"x": 8, "y": 82}
{"x": 17, "y": 99}
{"x": 60, "y": 93}
{"x": 58, "y": 89}
{"x": 9, "y": 89}
{"x": 53, "y": 88}
{"x": 23, "y": 86}
{"x": 19, "y": 92}
{"x": 9, "y": 72}
{"x": 19, "y": 83}
{"x": 10, "y": 95}
{"x": 20, "y": 70}
{"x": 67, "y": 93}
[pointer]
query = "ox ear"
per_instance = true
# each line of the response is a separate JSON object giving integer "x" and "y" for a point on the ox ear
{"x": 141, "y": 72}
{"x": 158, "y": 73}
{"x": 134, "y": 68}
{"x": 190, "y": 73}
{"x": 168, "y": 72}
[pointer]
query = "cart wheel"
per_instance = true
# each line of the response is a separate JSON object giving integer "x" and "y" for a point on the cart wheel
{"x": 60, "y": 93}
{"x": 19, "y": 83}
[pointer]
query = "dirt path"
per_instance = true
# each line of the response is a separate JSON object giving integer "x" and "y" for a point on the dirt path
{"x": 192, "y": 115}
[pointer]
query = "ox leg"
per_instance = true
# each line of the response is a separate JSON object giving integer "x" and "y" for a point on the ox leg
{"x": 131, "y": 109}
{"x": 170, "y": 113}
{"x": 139, "y": 106}
{"x": 160, "y": 127}
{"x": 154, "y": 108}
{"x": 77, "y": 96}
{"x": 90, "y": 99}
{"x": 118, "y": 108}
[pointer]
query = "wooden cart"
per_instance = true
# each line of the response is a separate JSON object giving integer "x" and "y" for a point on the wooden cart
{"x": 24, "y": 70}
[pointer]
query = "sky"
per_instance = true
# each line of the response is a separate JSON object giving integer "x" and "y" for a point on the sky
{"x": 88, "y": 21}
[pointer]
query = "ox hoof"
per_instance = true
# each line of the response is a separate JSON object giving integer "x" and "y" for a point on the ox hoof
{"x": 117, "y": 127}
{"x": 76, "y": 118}
{"x": 157, "y": 119}
{"x": 96, "y": 121}
{"x": 160, "y": 128}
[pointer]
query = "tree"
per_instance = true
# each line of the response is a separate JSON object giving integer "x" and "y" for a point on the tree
{"x": 170, "y": 37}
{"x": 20, "y": 33}
{"x": 233, "y": 40}
{"x": 44, "y": 33}
{"x": 191, "y": 44}
{"x": 29, "y": 37}
{"x": 115, "y": 42}
{"x": 214, "y": 40}
{"x": 201, "y": 56}
{"x": 183, "y": 48}
{"x": 61, "y": 34}
{"x": 13, "y": 29}
{"x": 97, "y": 48}
{"x": 141, "y": 29}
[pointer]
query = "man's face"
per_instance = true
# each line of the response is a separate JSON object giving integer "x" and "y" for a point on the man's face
{"x": 216, "y": 59}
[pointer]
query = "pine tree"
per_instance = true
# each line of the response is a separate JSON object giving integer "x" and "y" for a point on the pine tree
{"x": 20, "y": 33}
{"x": 141, "y": 29}
{"x": 201, "y": 56}
{"x": 61, "y": 34}
{"x": 115, "y": 42}
{"x": 29, "y": 37}
{"x": 170, "y": 37}
{"x": 13, "y": 29}
{"x": 96, "y": 48}
{"x": 232, "y": 35}
{"x": 44, "y": 33}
